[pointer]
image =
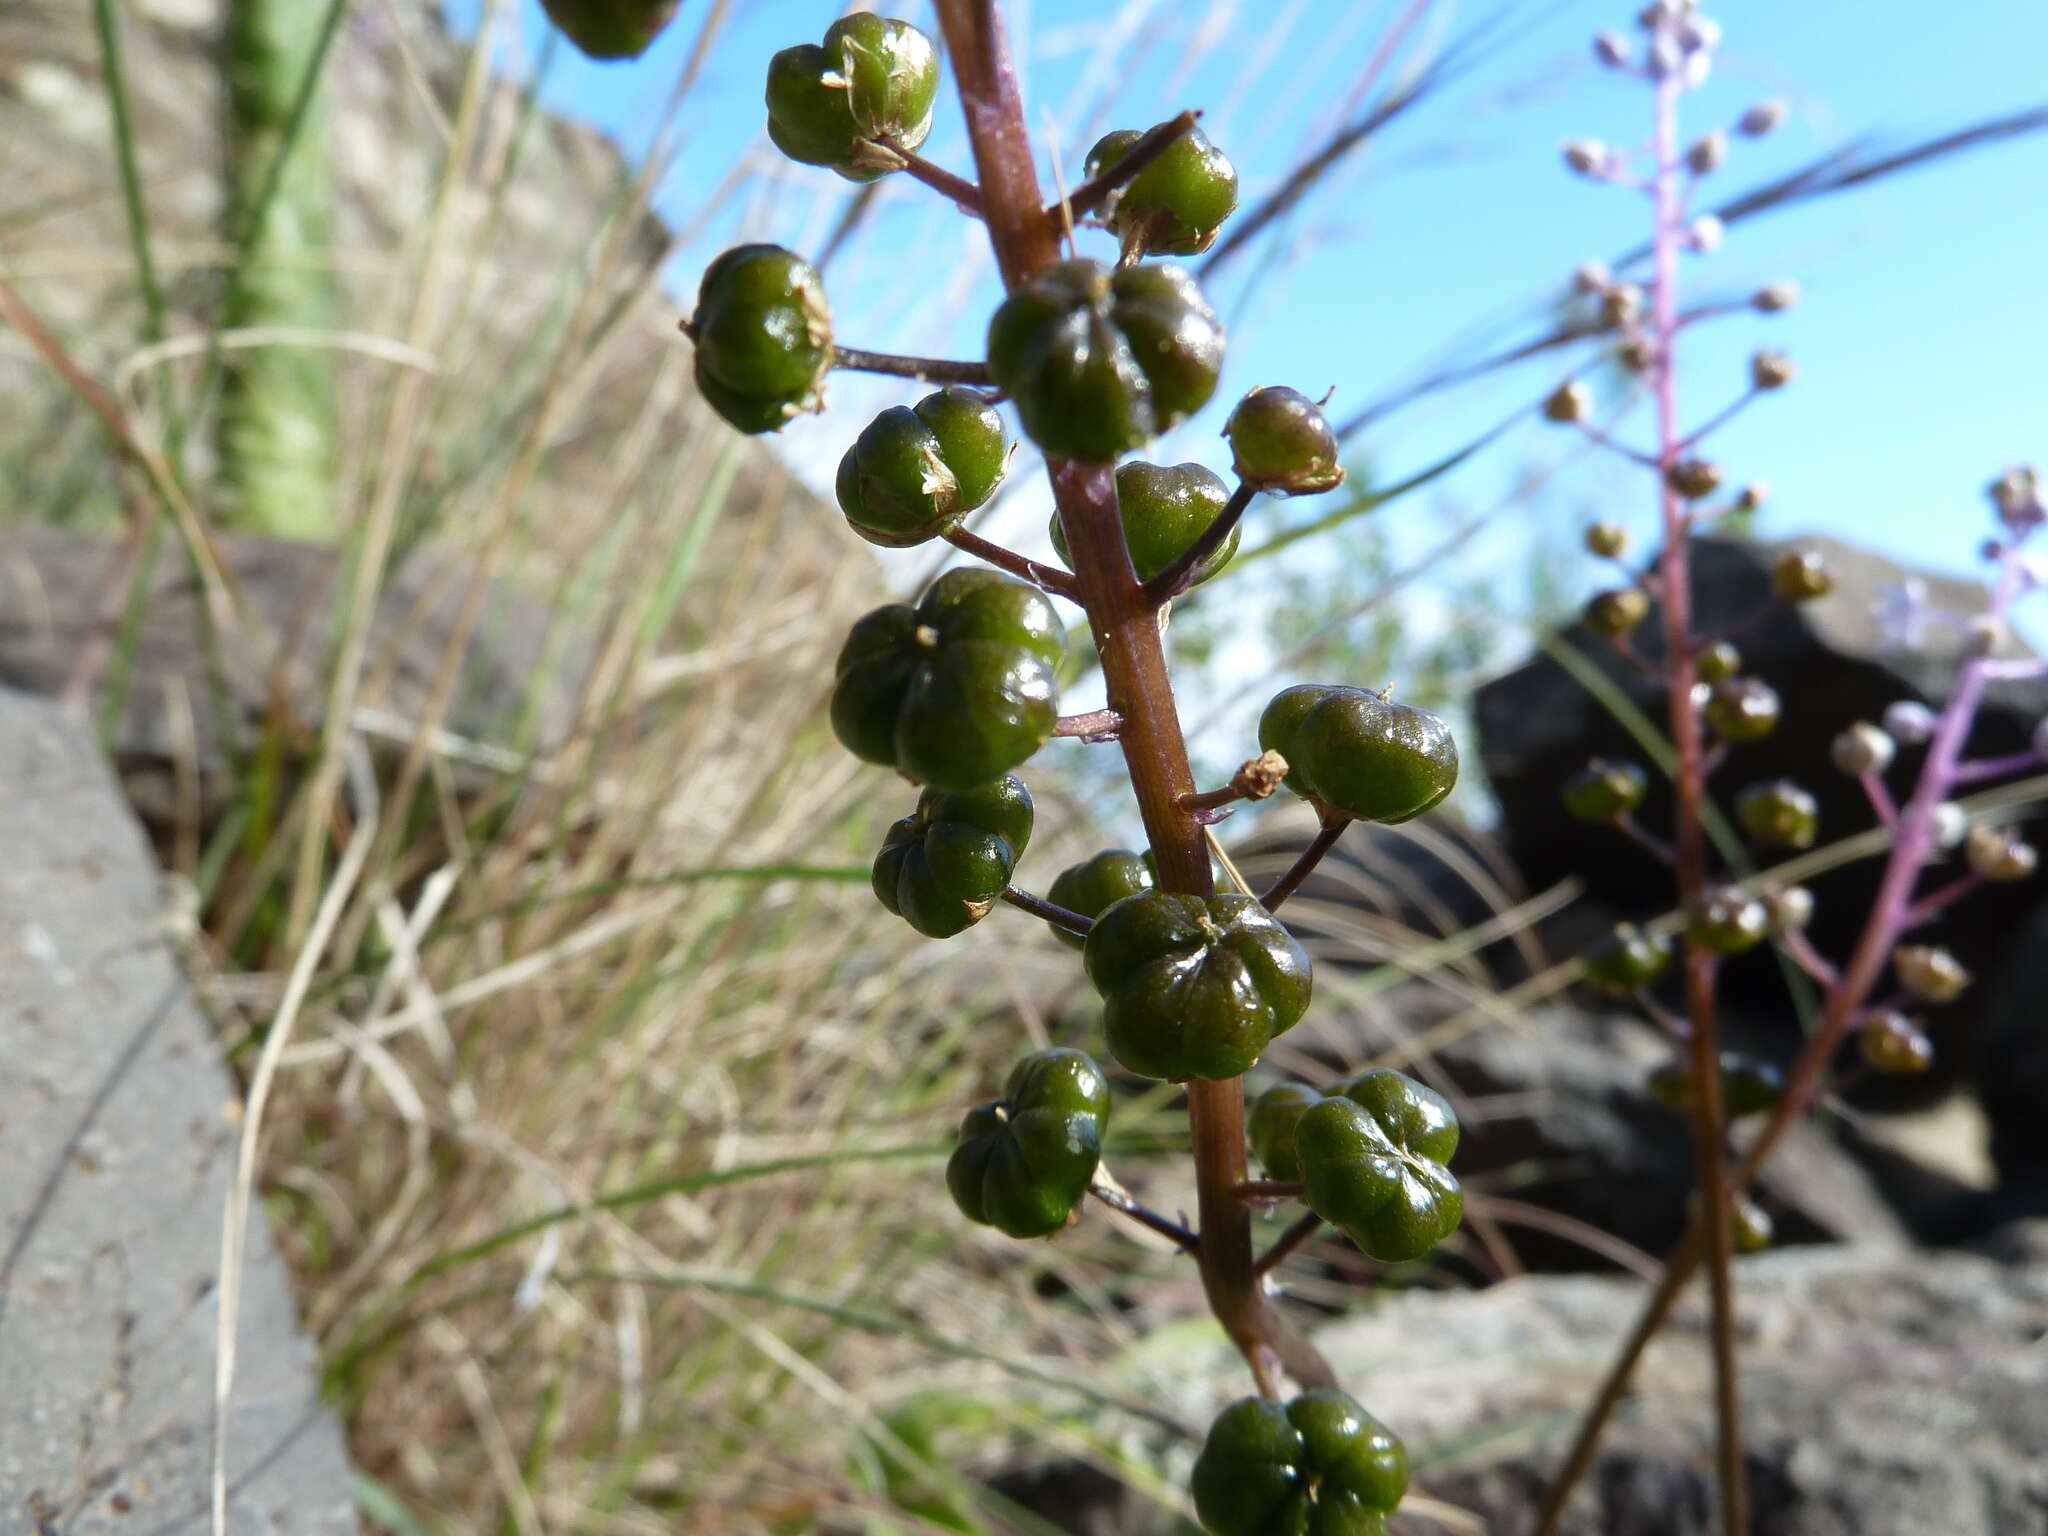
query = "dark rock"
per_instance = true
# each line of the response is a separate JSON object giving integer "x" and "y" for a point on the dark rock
{"x": 117, "y": 1142}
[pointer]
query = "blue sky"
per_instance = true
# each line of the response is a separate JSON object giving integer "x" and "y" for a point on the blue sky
{"x": 1921, "y": 341}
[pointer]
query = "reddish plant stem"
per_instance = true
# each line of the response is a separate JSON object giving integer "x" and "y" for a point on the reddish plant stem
{"x": 1301, "y": 1231}
{"x": 1038, "y": 906}
{"x": 1049, "y": 578}
{"x": 935, "y": 370}
{"x": 1689, "y": 837}
{"x": 1325, "y": 839}
{"x": 1096, "y": 725}
{"x": 1133, "y": 661}
{"x": 962, "y": 192}
{"x": 1145, "y": 1216}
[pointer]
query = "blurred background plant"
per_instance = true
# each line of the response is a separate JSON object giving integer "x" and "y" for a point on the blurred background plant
{"x": 605, "y": 1143}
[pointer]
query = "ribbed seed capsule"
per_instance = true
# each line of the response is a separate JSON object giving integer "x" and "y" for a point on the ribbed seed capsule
{"x": 1742, "y": 709}
{"x": 1893, "y": 1044}
{"x": 874, "y": 78}
{"x": 1177, "y": 203}
{"x": 1618, "y": 612}
{"x": 1605, "y": 790}
{"x": 1281, "y": 444}
{"x": 915, "y": 471}
{"x": 1799, "y": 575}
{"x": 611, "y": 29}
{"x": 764, "y": 337}
{"x": 1718, "y": 660}
{"x": 1779, "y": 814}
{"x": 1930, "y": 973}
{"x": 1627, "y": 959}
{"x": 1164, "y": 508}
{"x": 1727, "y": 922}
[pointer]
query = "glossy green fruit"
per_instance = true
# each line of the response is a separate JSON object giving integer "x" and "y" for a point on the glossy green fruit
{"x": 1751, "y": 1226}
{"x": 1175, "y": 205}
{"x": 1164, "y": 508}
{"x": 1718, "y": 660}
{"x": 957, "y": 690}
{"x": 1101, "y": 362}
{"x": 1025, "y": 1161}
{"x": 1727, "y": 922}
{"x": 1275, "y": 1115}
{"x": 1605, "y": 790}
{"x": 1281, "y": 444}
{"x": 1930, "y": 973}
{"x": 1800, "y": 575}
{"x": 1097, "y": 883}
{"x": 873, "y": 79}
{"x": 1626, "y": 960}
{"x": 1360, "y": 753}
{"x": 1894, "y": 1045}
{"x": 1193, "y": 987}
{"x": 1618, "y": 612}
{"x": 1748, "y": 1086}
{"x": 611, "y": 29}
{"x": 1319, "y": 1466}
{"x": 1742, "y": 709}
{"x": 1373, "y": 1163}
{"x": 764, "y": 337}
{"x": 1779, "y": 814}
{"x": 916, "y": 470}
{"x": 942, "y": 867}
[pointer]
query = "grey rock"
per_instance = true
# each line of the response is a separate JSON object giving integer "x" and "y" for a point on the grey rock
{"x": 117, "y": 1137}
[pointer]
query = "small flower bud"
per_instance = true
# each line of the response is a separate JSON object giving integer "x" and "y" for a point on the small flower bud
{"x": 1800, "y": 575}
{"x": 1930, "y": 973}
{"x": 1611, "y": 49}
{"x": 1694, "y": 478}
{"x": 1568, "y": 403}
{"x": 1771, "y": 370}
{"x": 1999, "y": 854}
{"x": 1775, "y": 298}
{"x": 1593, "y": 277}
{"x": 1615, "y": 613}
{"x": 1281, "y": 444}
{"x": 1727, "y": 922}
{"x": 2016, "y": 495}
{"x": 1779, "y": 814}
{"x": 1863, "y": 748}
{"x": 1983, "y": 635}
{"x": 1749, "y": 1225}
{"x": 1634, "y": 352}
{"x": 1621, "y": 304}
{"x": 1910, "y": 721}
{"x": 1790, "y": 909}
{"x": 1707, "y": 153}
{"x": 1742, "y": 709}
{"x": 1605, "y": 790}
{"x": 1587, "y": 157}
{"x": 1705, "y": 234}
{"x": 1607, "y": 540}
{"x": 1951, "y": 824}
{"x": 1717, "y": 661}
{"x": 1752, "y": 496}
{"x": 1893, "y": 1044}
{"x": 1761, "y": 119}
{"x": 1749, "y": 1085}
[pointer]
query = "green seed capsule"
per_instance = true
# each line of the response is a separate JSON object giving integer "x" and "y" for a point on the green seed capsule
{"x": 1372, "y": 1162}
{"x": 943, "y": 867}
{"x": 1727, "y": 922}
{"x": 1751, "y": 1226}
{"x": 1719, "y": 660}
{"x": 873, "y": 79}
{"x": 1605, "y": 790}
{"x": 1360, "y": 753}
{"x": 957, "y": 690}
{"x": 915, "y": 471}
{"x": 1025, "y": 1161}
{"x": 1281, "y": 444}
{"x": 763, "y": 336}
{"x": 611, "y": 29}
{"x": 1894, "y": 1045}
{"x": 1779, "y": 814}
{"x": 1626, "y": 960}
{"x": 1607, "y": 540}
{"x": 1175, "y": 205}
{"x": 1097, "y": 883}
{"x": 1799, "y": 575}
{"x": 1164, "y": 509}
{"x": 1694, "y": 478}
{"x": 1319, "y": 1466}
{"x": 1275, "y": 1114}
{"x": 1930, "y": 973}
{"x": 1617, "y": 613}
{"x": 1742, "y": 709}
{"x": 1748, "y": 1086}
{"x": 1193, "y": 987}
{"x": 1101, "y": 362}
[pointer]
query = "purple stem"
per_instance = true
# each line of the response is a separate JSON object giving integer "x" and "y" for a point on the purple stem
{"x": 1880, "y": 798}
{"x": 1996, "y": 767}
